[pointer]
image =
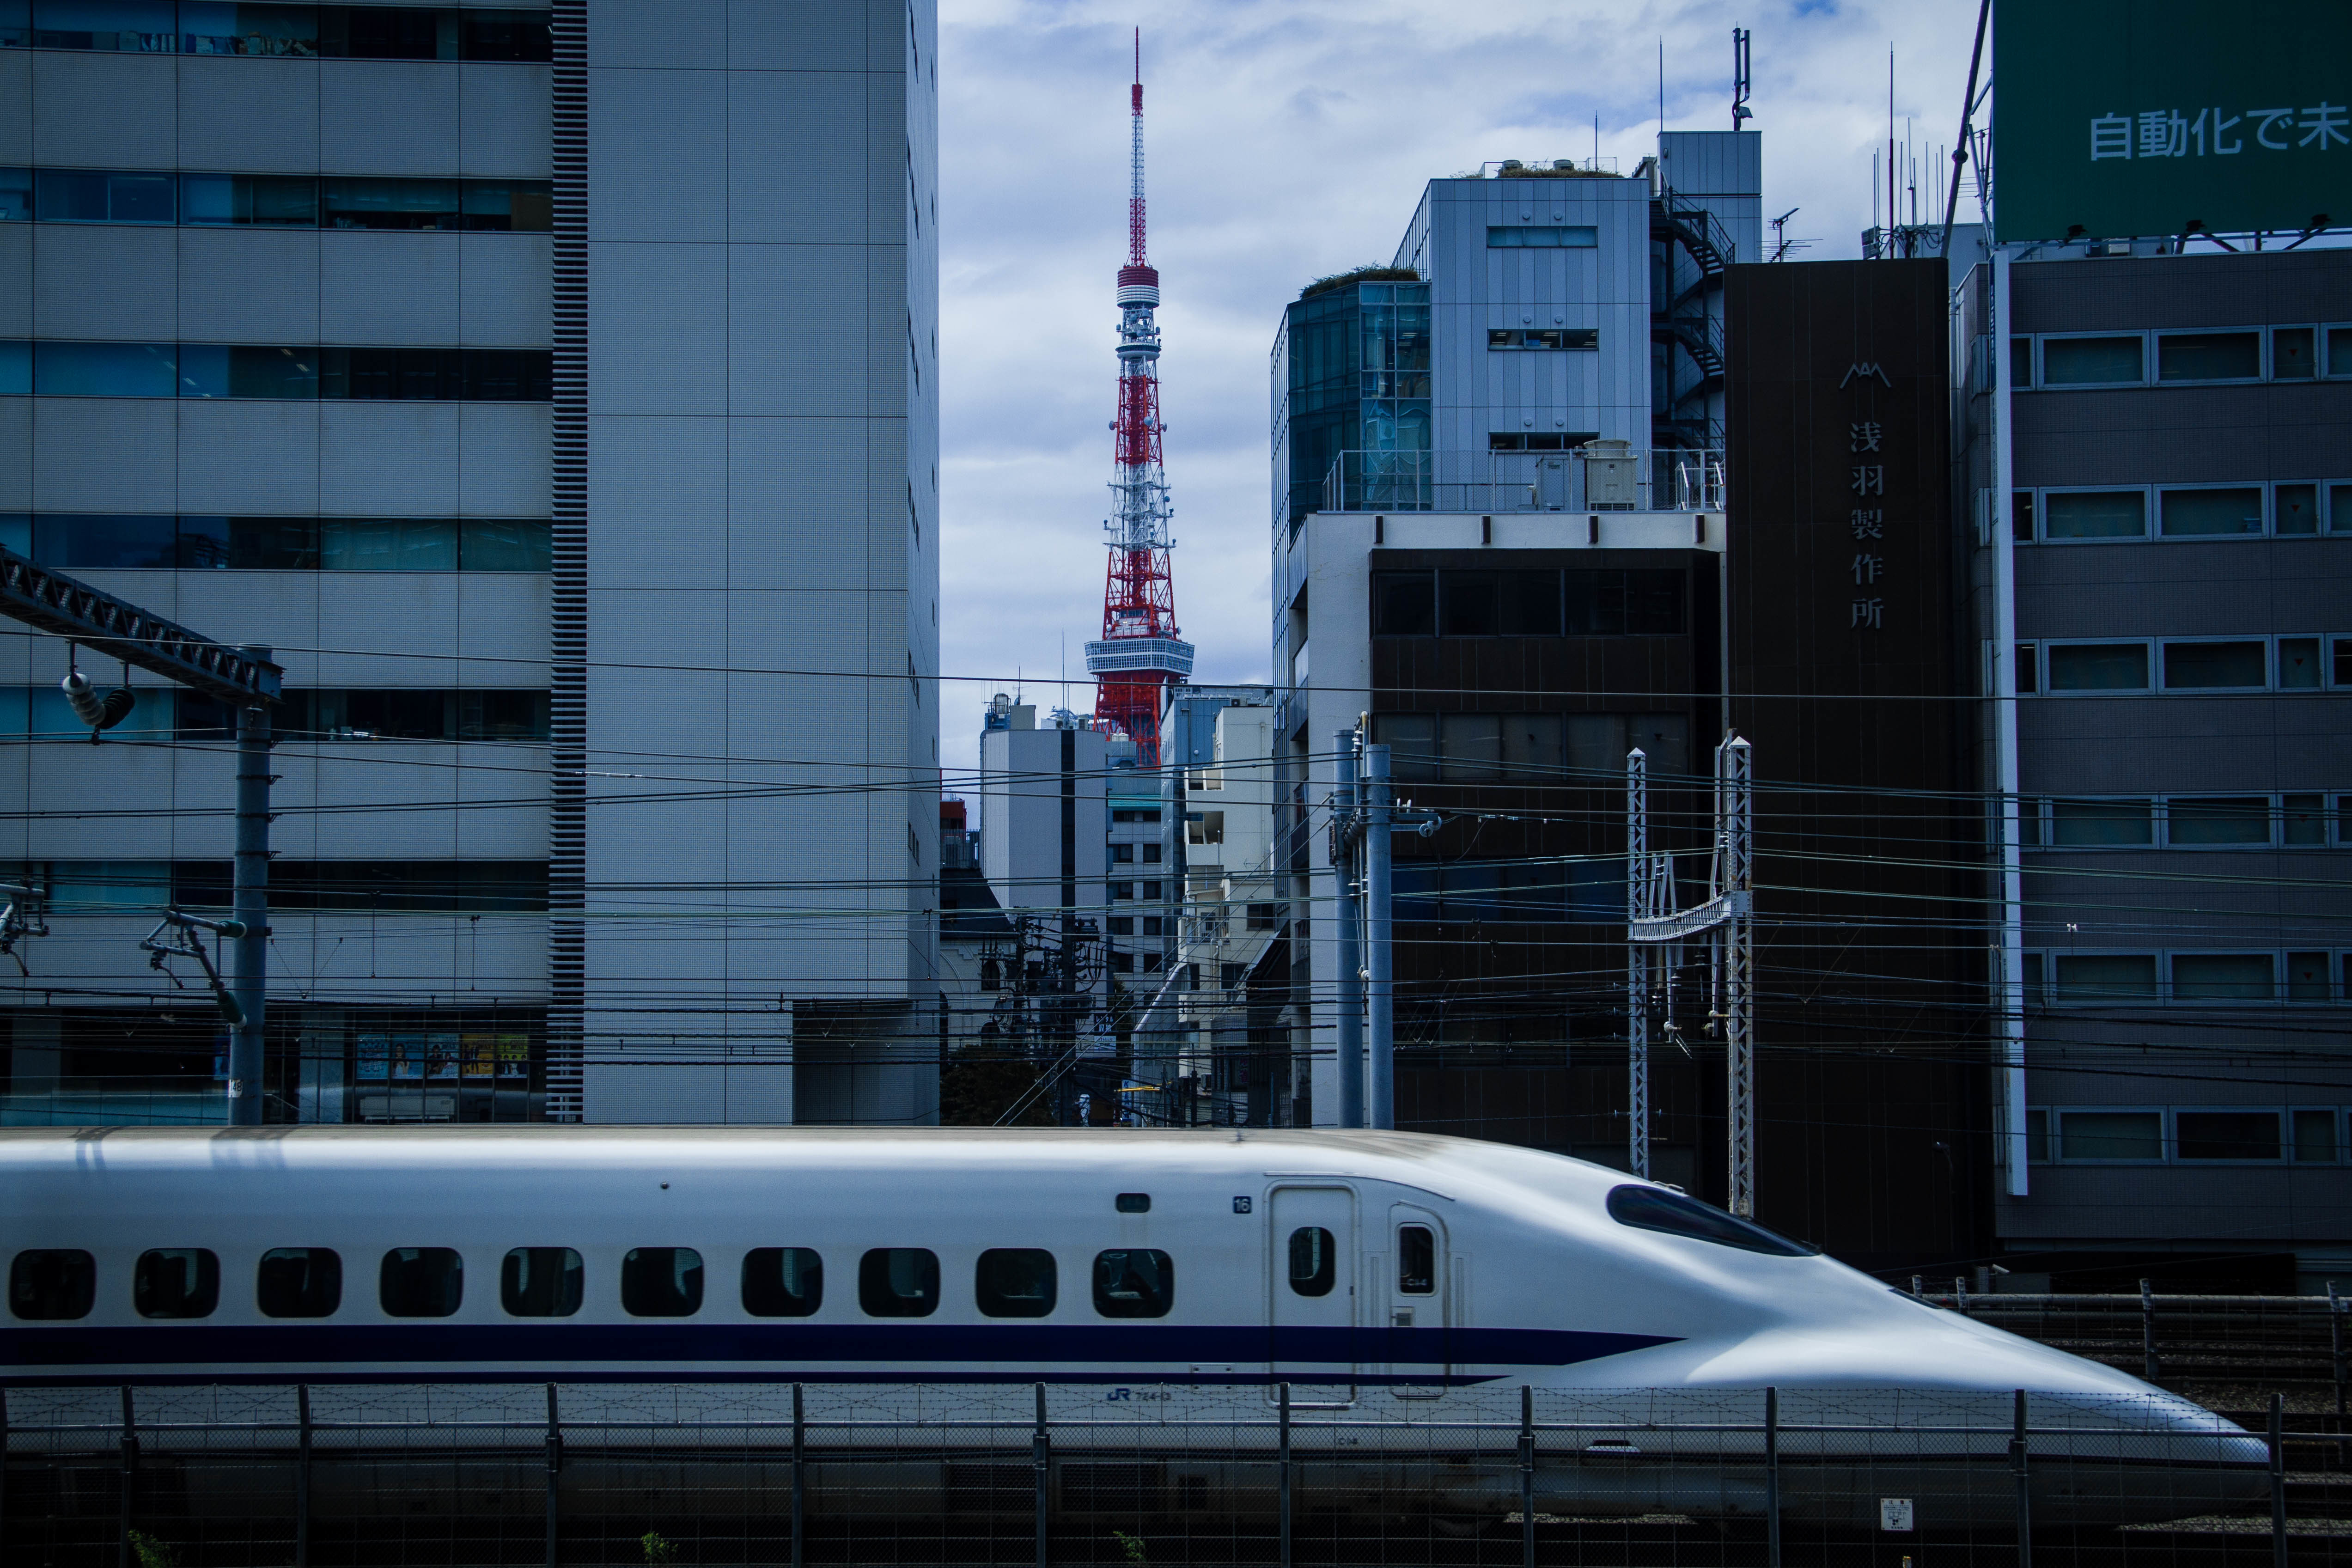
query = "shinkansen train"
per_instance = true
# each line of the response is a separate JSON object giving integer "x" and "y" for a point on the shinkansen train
{"x": 1368, "y": 1268}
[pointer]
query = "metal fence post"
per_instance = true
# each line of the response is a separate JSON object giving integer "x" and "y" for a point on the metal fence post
{"x": 302, "y": 1476}
{"x": 2024, "y": 1496}
{"x": 800, "y": 1478}
{"x": 1772, "y": 1478}
{"x": 1526, "y": 1476}
{"x": 2336, "y": 1354}
{"x": 1282, "y": 1479}
{"x": 1041, "y": 1457}
{"x": 2278, "y": 1480}
{"x": 2149, "y": 1366}
{"x": 554, "y": 1465}
{"x": 130, "y": 1480}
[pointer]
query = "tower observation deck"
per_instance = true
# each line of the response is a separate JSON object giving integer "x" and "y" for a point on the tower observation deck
{"x": 1141, "y": 651}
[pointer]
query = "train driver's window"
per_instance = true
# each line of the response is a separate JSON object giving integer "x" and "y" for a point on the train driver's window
{"x": 421, "y": 1282}
{"x": 1015, "y": 1282}
{"x": 176, "y": 1282}
{"x": 661, "y": 1282}
{"x": 541, "y": 1282}
{"x": 1140, "y": 1282}
{"x": 899, "y": 1282}
{"x": 1673, "y": 1214}
{"x": 1314, "y": 1262}
{"x": 782, "y": 1281}
{"x": 299, "y": 1282}
{"x": 51, "y": 1283}
{"x": 1416, "y": 1260}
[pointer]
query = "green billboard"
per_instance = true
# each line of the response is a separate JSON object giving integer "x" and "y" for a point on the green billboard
{"x": 2133, "y": 118}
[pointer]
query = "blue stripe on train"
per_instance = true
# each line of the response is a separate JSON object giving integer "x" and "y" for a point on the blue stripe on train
{"x": 194, "y": 1345}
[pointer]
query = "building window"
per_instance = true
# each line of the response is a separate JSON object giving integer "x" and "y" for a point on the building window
{"x": 1539, "y": 440}
{"x": 2091, "y": 979}
{"x": 1151, "y": 854}
{"x": 47, "y": 368}
{"x": 287, "y": 32}
{"x": 2207, "y": 513}
{"x": 1122, "y": 889}
{"x": 1154, "y": 925}
{"x": 1122, "y": 963}
{"x": 2093, "y": 360}
{"x": 2209, "y": 356}
{"x": 1551, "y": 237}
{"x": 2226, "y": 1135}
{"x": 2101, "y": 824}
{"x": 1261, "y": 917}
{"x": 2097, "y": 667}
{"x": 275, "y": 200}
{"x": 2216, "y": 666}
{"x": 1151, "y": 891}
{"x": 2093, "y": 514}
{"x": 1586, "y": 338}
{"x": 2224, "y": 977}
{"x": 1122, "y": 925}
{"x": 2218, "y": 819}
{"x": 2110, "y": 1135}
{"x": 1122, "y": 854}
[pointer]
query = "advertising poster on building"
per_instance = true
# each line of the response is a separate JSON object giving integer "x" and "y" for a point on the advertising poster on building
{"x": 2121, "y": 119}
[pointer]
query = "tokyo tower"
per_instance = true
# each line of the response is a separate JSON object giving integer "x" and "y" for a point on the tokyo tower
{"x": 1141, "y": 652}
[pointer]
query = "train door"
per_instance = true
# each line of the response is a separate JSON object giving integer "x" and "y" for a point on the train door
{"x": 1313, "y": 1277}
{"x": 1411, "y": 1295}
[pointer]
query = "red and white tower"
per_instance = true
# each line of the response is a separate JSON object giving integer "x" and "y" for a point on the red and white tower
{"x": 1139, "y": 653}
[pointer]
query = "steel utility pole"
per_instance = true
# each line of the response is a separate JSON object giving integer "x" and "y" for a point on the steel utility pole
{"x": 1379, "y": 988}
{"x": 248, "y": 680}
{"x": 1654, "y": 926}
{"x": 1350, "y": 1031}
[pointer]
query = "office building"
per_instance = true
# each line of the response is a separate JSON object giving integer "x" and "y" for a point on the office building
{"x": 2164, "y": 587}
{"x": 556, "y": 391}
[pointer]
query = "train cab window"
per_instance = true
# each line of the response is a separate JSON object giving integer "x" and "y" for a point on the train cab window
{"x": 1138, "y": 1282}
{"x": 299, "y": 1282}
{"x": 1416, "y": 1260}
{"x": 899, "y": 1282}
{"x": 1015, "y": 1282}
{"x": 176, "y": 1282}
{"x": 782, "y": 1281}
{"x": 661, "y": 1282}
{"x": 1314, "y": 1262}
{"x": 1133, "y": 1203}
{"x": 541, "y": 1282}
{"x": 1654, "y": 1209}
{"x": 50, "y": 1284}
{"x": 421, "y": 1282}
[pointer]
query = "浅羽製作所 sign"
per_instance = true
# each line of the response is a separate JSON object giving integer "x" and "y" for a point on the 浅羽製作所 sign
{"x": 2120, "y": 117}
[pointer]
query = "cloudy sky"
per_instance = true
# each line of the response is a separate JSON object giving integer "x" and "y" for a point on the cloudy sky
{"x": 1289, "y": 139}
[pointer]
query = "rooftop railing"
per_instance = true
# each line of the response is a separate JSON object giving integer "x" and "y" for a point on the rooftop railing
{"x": 1600, "y": 475}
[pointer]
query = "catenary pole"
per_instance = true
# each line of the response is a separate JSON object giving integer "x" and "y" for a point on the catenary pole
{"x": 1380, "y": 989}
{"x": 1349, "y": 1033}
{"x": 250, "y": 896}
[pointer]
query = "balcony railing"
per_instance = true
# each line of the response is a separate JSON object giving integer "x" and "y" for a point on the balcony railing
{"x": 1600, "y": 476}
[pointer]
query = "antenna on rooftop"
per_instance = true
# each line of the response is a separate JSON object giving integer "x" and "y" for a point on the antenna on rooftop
{"x": 1739, "y": 83}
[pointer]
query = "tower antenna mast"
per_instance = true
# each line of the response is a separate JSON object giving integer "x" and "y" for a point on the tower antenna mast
{"x": 1141, "y": 651}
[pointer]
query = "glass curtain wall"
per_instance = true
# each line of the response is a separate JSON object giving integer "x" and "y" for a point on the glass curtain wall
{"x": 1359, "y": 398}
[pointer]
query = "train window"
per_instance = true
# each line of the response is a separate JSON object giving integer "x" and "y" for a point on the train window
{"x": 782, "y": 1281}
{"x": 899, "y": 1282}
{"x": 661, "y": 1282}
{"x": 1416, "y": 1260}
{"x": 176, "y": 1282}
{"x": 1654, "y": 1209}
{"x": 299, "y": 1282}
{"x": 1134, "y": 1202}
{"x": 1314, "y": 1260}
{"x": 52, "y": 1283}
{"x": 421, "y": 1282}
{"x": 1015, "y": 1282}
{"x": 541, "y": 1282}
{"x": 1140, "y": 1282}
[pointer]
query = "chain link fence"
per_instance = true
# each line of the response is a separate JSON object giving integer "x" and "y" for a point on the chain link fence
{"x": 676, "y": 1474}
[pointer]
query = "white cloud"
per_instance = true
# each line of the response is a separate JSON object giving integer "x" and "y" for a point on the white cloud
{"x": 1287, "y": 140}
